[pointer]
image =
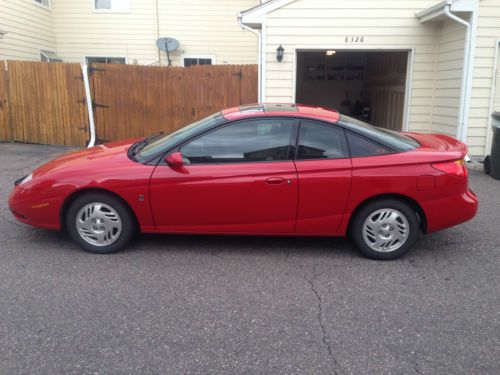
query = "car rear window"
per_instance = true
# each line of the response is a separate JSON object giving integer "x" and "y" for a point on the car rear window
{"x": 396, "y": 141}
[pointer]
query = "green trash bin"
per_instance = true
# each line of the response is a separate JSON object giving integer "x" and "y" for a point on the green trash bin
{"x": 495, "y": 146}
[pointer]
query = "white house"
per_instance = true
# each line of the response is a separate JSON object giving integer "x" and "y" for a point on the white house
{"x": 416, "y": 65}
{"x": 125, "y": 31}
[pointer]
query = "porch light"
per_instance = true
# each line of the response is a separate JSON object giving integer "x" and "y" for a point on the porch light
{"x": 280, "y": 52}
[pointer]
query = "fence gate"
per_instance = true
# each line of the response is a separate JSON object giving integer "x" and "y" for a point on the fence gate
{"x": 45, "y": 103}
{"x": 134, "y": 101}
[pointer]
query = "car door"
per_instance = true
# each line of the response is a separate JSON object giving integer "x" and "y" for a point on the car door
{"x": 324, "y": 171}
{"x": 238, "y": 178}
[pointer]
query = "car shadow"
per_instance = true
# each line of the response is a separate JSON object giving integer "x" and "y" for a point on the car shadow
{"x": 436, "y": 246}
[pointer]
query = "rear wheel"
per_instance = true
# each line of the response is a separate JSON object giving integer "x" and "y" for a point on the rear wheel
{"x": 385, "y": 229}
{"x": 100, "y": 223}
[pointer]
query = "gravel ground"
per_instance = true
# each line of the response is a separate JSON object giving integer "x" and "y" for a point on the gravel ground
{"x": 240, "y": 305}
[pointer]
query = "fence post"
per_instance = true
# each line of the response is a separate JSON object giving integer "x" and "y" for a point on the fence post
{"x": 90, "y": 109}
{"x": 10, "y": 125}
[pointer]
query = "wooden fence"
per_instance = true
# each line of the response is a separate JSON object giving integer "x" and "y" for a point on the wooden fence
{"x": 133, "y": 101}
{"x": 45, "y": 103}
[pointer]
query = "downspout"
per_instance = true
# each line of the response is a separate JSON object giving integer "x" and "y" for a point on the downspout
{"x": 259, "y": 67}
{"x": 88, "y": 96}
{"x": 462, "y": 120}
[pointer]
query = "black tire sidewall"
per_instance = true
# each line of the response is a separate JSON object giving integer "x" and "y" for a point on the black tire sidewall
{"x": 128, "y": 224}
{"x": 357, "y": 228}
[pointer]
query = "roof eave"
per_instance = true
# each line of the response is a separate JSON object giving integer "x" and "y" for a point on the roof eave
{"x": 254, "y": 17}
{"x": 436, "y": 12}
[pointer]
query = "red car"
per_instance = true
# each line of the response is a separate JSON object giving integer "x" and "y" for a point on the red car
{"x": 264, "y": 169}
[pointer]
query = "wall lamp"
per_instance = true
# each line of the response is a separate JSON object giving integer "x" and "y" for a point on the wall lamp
{"x": 280, "y": 51}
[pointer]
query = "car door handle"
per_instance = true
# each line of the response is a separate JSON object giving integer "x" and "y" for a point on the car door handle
{"x": 275, "y": 180}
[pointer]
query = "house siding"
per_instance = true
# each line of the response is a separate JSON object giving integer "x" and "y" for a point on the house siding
{"x": 29, "y": 29}
{"x": 82, "y": 32}
{"x": 488, "y": 32}
{"x": 448, "y": 77}
{"x": 322, "y": 24}
{"x": 202, "y": 27}
{"x": 209, "y": 28}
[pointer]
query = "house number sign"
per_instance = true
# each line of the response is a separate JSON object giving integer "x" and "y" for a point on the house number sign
{"x": 354, "y": 39}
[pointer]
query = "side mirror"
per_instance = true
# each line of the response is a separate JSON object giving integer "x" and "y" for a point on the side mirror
{"x": 174, "y": 160}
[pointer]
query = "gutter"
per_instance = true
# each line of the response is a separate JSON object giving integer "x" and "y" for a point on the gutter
{"x": 259, "y": 58}
{"x": 90, "y": 109}
{"x": 433, "y": 12}
{"x": 444, "y": 9}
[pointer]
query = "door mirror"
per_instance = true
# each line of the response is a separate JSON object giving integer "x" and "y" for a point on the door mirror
{"x": 174, "y": 160}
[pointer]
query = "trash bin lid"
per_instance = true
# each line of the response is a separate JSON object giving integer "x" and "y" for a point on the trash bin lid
{"x": 496, "y": 116}
{"x": 496, "y": 120}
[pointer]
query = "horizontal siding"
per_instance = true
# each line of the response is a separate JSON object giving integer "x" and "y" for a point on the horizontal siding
{"x": 202, "y": 27}
{"x": 449, "y": 67}
{"x": 323, "y": 24}
{"x": 82, "y": 32}
{"x": 209, "y": 27}
{"x": 488, "y": 32}
{"x": 29, "y": 29}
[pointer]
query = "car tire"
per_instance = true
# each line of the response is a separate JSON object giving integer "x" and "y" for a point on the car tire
{"x": 100, "y": 223}
{"x": 385, "y": 229}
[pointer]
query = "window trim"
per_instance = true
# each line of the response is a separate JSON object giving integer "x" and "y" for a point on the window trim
{"x": 326, "y": 124}
{"x": 294, "y": 123}
{"x": 213, "y": 58}
{"x": 85, "y": 61}
{"x": 43, "y": 6}
{"x": 95, "y": 10}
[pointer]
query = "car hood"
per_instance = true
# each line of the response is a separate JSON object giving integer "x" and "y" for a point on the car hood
{"x": 73, "y": 160}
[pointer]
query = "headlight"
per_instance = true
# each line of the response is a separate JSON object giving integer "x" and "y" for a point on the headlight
{"x": 24, "y": 179}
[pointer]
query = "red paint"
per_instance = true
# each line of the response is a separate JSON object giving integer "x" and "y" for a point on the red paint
{"x": 233, "y": 198}
{"x": 315, "y": 197}
{"x": 252, "y": 110}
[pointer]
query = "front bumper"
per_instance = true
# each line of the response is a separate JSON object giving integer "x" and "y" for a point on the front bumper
{"x": 36, "y": 208}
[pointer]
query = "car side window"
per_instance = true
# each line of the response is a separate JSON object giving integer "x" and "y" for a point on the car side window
{"x": 360, "y": 146}
{"x": 321, "y": 141}
{"x": 256, "y": 140}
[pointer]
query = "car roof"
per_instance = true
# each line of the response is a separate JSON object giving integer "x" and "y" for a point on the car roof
{"x": 282, "y": 110}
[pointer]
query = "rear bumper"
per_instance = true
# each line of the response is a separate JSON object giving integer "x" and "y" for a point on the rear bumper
{"x": 447, "y": 212}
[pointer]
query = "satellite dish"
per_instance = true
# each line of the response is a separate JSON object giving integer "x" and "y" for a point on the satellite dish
{"x": 167, "y": 44}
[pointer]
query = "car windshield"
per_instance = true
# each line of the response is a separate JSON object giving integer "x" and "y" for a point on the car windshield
{"x": 155, "y": 145}
{"x": 398, "y": 141}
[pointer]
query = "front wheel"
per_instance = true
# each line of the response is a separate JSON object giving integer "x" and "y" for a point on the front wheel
{"x": 100, "y": 223}
{"x": 385, "y": 229}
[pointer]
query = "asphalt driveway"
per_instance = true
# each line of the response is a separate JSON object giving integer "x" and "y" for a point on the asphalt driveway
{"x": 240, "y": 305}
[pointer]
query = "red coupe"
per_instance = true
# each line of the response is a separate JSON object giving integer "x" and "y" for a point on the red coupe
{"x": 264, "y": 169}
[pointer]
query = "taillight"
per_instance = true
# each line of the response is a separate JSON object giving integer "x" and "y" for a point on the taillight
{"x": 455, "y": 167}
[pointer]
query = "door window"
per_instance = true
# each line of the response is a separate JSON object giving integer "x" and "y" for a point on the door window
{"x": 321, "y": 141}
{"x": 256, "y": 140}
